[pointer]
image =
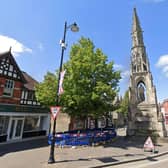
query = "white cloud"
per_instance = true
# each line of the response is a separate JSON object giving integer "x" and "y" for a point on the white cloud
{"x": 118, "y": 66}
{"x": 17, "y": 47}
{"x": 163, "y": 61}
{"x": 165, "y": 69}
{"x": 163, "y": 64}
{"x": 124, "y": 73}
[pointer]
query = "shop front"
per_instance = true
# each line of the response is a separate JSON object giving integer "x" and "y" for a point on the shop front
{"x": 25, "y": 122}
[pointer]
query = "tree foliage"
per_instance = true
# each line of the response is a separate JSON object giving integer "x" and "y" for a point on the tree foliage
{"x": 46, "y": 90}
{"x": 90, "y": 83}
{"x": 124, "y": 104}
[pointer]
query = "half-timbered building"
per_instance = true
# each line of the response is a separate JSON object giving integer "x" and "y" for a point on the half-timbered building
{"x": 21, "y": 116}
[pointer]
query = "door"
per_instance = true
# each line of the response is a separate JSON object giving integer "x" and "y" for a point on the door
{"x": 16, "y": 128}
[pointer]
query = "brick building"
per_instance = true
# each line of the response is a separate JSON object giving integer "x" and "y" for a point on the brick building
{"x": 21, "y": 116}
{"x": 164, "y": 110}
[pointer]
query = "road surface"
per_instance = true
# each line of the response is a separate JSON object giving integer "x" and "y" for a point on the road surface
{"x": 158, "y": 162}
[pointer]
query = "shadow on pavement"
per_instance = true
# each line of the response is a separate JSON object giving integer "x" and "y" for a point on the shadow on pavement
{"x": 126, "y": 142}
{"x": 62, "y": 161}
{"x": 107, "y": 159}
{"x": 152, "y": 159}
{"x": 102, "y": 159}
{"x": 128, "y": 155}
{"x": 21, "y": 146}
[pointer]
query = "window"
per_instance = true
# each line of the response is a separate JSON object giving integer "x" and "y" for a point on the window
{"x": 30, "y": 95}
{"x": 3, "y": 124}
{"x": 11, "y": 68}
{"x": 26, "y": 94}
{"x": 32, "y": 124}
{"x": 23, "y": 94}
{"x": 8, "y": 89}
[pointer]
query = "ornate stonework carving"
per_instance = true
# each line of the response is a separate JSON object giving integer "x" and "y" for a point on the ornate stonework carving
{"x": 143, "y": 106}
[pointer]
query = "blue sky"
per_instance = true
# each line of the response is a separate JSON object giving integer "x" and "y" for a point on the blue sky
{"x": 34, "y": 28}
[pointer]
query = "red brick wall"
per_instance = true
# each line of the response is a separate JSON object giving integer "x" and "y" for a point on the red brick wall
{"x": 15, "y": 99}
{"x": 2, "y": 83}
{"x": 165, "y": 105}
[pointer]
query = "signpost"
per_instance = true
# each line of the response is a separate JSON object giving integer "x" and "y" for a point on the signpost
{"x": 54, "y": 111}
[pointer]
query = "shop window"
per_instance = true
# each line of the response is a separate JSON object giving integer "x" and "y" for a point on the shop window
{"x": 79, "y": 124}
{"x": 8, "y": 89}
{"x": 3, "y": 124}
{"x": 32, "y": 124}
{"x": 101, "y": 122}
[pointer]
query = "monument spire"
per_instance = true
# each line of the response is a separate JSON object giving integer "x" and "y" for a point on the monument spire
{"x": 137, "y": 36}
{"x": 139, "y": 56}
{"x": 143, "y": 107}
{"x": 136, "y": 23}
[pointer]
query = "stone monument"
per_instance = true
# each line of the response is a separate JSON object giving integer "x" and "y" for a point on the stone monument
{"x": 144, "y": 117}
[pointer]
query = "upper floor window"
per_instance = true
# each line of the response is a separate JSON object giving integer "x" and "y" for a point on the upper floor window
{"x": 8, "y": 89}
{"x": 31, "y": 96}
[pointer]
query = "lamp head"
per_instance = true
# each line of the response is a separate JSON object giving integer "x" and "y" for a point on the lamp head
{"x": 74, "y": 27}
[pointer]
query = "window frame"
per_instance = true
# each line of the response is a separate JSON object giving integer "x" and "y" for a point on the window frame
{"x": 8, "y": 88}
{"x": 4, "y": 125}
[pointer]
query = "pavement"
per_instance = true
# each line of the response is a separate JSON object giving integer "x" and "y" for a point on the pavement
{"x": 35, "y": 154}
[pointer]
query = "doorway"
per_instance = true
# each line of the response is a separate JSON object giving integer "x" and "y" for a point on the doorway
{"x": 16, "y": 128}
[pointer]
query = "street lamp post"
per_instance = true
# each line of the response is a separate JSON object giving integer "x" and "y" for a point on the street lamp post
{"x": 73, "y": 28}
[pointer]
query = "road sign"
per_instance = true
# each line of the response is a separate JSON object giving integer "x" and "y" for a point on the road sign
{"x": 54, "y": 111}
{"x": 149, "y": 144}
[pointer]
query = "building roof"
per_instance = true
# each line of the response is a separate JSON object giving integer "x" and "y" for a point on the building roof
{"x": 4, "y": 53}
{"x": 31, "y": 83}
{"x": 8, "y": 55}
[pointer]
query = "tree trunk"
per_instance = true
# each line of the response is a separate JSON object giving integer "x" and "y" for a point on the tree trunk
{"x": 86, "y": 123}
{"x": 107, "y": 124}
{"x": 96, "y": 123}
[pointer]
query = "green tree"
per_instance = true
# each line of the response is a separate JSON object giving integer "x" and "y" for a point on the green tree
{"x": 124, "y": 104}
{"x": 46, "y": 90}
{"x": 90, "y": 83}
